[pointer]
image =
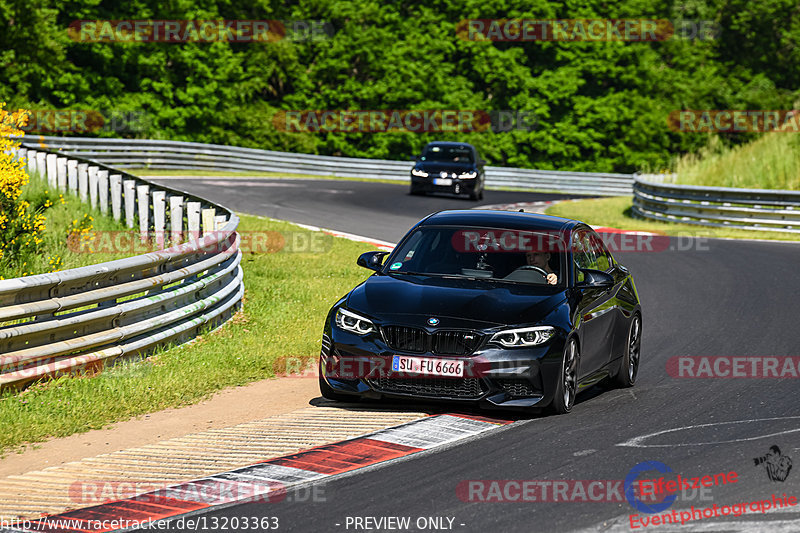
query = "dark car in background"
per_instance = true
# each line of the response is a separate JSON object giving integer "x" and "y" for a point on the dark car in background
{"x": 498, "y": 309}
{"x": 450, "y": 167}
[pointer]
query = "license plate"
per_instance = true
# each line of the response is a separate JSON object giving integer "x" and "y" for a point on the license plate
{"x": 428, "y": 366}
{"x": 442, "y": 181}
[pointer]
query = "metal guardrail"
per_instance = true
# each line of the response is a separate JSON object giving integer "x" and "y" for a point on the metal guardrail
{"x": 154, "y": 154}
{"x": 67, "y": 321}
{"x": 751, "y": 209}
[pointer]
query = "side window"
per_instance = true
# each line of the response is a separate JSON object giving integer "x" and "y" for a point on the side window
{"x": 584, "y": 251}
{"x": 580, "y": 254}
{"x": 604, "y": 259}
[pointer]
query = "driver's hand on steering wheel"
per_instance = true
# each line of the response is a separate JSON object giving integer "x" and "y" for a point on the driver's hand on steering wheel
{"x": 552, "y": 279}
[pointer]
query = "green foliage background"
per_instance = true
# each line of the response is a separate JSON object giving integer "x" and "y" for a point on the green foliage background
{"x": 601, "y": 106}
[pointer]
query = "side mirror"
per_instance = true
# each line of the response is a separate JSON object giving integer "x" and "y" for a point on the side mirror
{"x": 595, "y": 279}
{"x": 371, "y": 260}
{"x": 414, "y": 158}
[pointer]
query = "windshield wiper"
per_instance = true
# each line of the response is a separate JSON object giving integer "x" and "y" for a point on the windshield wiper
{"x": 412, "y": 273}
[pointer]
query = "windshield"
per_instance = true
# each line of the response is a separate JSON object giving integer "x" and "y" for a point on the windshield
{"x": 447, "y": 154}
{"x": 512, "y": 256}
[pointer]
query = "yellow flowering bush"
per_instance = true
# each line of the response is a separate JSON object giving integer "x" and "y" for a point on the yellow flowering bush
{"x": 22, "y": 222}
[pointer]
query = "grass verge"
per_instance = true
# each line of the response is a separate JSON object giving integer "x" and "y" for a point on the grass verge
{"x": 287, "y": 297}
{"x": 770, "y": 162}
{"x": 614, "y": 212}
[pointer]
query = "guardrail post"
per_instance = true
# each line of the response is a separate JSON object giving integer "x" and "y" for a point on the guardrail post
{"x": 32, "y": 162}
{"x": 208, "y": 220}
{"x": 159, "y": 202}
{"x": 52, "y": 173}
{"x": 193, "y": 218}
{"x": 41, "y": 164}
{"x": 22, "y": 153}
{"x": 61, "y": 173}
{"x": 92, "y": 171}
{"x": 83, "y": 181}
{"x": 176, "y": 218}
{"x": 143, "y": 196}
{"x": 102, "y": 191}
{"x": 129, "y": 193}
{"x": 72, "y": 176}
{"x": 116, "y": 196}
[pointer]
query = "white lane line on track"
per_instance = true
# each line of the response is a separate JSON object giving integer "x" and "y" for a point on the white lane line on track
{"x": 383, "y": 245}
{"x": 637, "y": 442}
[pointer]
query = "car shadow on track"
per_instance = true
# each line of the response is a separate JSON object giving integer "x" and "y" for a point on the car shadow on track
{"x": 443, "y": 407}
{"x": 438, "y": 408}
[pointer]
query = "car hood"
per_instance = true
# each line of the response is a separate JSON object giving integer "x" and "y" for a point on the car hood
{"x": 456, "y": 302}
{"x": 437, "y": 166}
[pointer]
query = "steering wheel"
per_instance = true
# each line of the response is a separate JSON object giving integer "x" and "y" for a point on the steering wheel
{"x": 541, "y": 271}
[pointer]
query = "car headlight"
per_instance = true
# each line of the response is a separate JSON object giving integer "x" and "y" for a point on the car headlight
{"x": 512, "y": 338}
{"x": 350, "y": 321}
{"x": 468, "y": 175}
{"x": 419, "y": 173}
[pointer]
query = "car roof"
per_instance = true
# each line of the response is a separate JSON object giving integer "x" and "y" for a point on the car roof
{"x": 448, "y": 143}
{"x": 501, "y": 219}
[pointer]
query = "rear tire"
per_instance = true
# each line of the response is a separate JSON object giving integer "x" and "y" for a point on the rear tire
{"x": 567, "y": 387}
{"x": 629, "y": 367}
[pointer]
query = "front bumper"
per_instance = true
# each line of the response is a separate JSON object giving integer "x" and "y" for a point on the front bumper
{"x": 457, "y": 185}
{"x": 494, "y": 377}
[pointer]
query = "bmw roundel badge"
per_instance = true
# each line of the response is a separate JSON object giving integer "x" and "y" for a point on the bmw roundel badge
{"x": 433, "y": 321}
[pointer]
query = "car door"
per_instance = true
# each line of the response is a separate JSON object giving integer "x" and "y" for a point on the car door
{"x": 597, "y": 307}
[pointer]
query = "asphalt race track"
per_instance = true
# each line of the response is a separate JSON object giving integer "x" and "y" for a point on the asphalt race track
{"x": 350, "y": 206}
{"x": 700, "y": 298}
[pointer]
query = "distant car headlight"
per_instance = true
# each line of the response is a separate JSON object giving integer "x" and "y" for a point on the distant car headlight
{"x": 512, "y": 338}
{"x": 468, "y": 175}
{"x": 350, "y": 321}
{"x": 419, "y": 173}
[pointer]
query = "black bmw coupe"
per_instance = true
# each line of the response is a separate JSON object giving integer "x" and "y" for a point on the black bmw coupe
{"x": 501, "y": 309}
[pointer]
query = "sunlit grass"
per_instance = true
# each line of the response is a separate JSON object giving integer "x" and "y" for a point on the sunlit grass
{"x": 770, "y": 162}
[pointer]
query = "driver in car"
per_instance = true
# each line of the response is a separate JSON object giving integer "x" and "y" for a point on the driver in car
{"x": 542, "y": 260}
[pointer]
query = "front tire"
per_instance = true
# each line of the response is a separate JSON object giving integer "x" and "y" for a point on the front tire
{"x": 329, "y": 393}
{"x": 414, "y": 191}
{"x": 567, "y": 387}
{"x": 476, "y": 195}
{"x": 629, "y": 367}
